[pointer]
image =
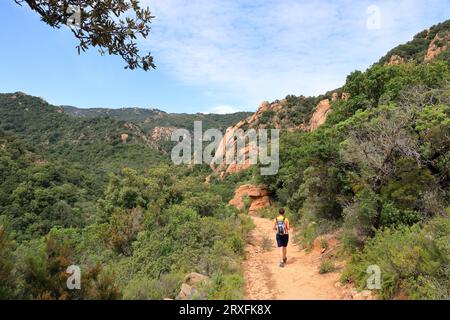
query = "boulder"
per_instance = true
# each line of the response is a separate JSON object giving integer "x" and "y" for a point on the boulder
{"x": 186, "y": 292}
{"x": 195, "y": 278}
{"x": 259, "y": 197}
{"x": 191, "y": 285}
{"x": 124, "y": 137}
{"x": 395, "y": 59}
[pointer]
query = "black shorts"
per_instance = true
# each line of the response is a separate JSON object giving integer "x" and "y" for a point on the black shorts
{"x": 282, "y": 240}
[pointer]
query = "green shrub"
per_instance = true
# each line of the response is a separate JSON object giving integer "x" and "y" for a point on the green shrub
{"x": 266, "y": 244}
{"x": 144, "y": 288}
{"x": 326, "y": 266}
{"x": 267, "y": 213}
{"x": 7, "y": 281}
{"x": 247, "y": 202}
{"x": 226, "y": 287}
{"x": 413, "y": 260}
{"x": 324, "y": 244}
{"x": 266, "y": 116}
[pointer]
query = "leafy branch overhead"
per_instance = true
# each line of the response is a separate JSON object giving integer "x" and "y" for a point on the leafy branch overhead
{"x": 113, "y": 26}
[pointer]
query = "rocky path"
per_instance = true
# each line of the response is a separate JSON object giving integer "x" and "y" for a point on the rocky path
{"x": 298, "y": 280}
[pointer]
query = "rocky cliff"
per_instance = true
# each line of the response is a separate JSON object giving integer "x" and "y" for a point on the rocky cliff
{"x": 258, "y": 198}
{"x": 162, "y": 133}
{"x": 437, "y": 46}
{"x": 276, "y": 110}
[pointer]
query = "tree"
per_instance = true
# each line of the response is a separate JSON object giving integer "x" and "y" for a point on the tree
{"x": 43, "y": 271}
{"x": 124, "y": 227}
{"x": 113, "y": 25}
{"x": 7, "y": 281}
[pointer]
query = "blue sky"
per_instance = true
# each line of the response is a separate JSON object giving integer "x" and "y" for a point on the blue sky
{"x": 212, "y": 55}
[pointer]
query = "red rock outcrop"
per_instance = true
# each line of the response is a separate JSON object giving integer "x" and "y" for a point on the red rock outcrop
{"x": 318, "y": 118}
{"x": 437, "y": 46}
{"x": 259, "y": 198}
{"x": 124, "y": 137}
{"x": 162, "y": 133}
{"x": 320, "y": 115}
{"x": 228, "y": 141}
{"x": 395, "y": 59}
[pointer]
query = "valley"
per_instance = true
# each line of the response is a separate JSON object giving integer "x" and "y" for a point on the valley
{"x": 364, "y": 176}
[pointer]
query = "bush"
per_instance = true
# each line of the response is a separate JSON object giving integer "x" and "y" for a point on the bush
{"x": 360, "y": 219}
{"x": 7, "y": 280}
{"x": 266, "y": 116}
{"x": 326, "y": 266}
{"x": 226, "y": 287}
{"x": 144, "y": 288}
{"x": 247, "y": 202}
{"x": 413, "y": 260}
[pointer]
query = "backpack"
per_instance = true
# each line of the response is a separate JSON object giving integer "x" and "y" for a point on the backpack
{"x": 281, "y": 226}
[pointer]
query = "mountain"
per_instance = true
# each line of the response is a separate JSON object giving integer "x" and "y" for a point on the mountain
{"x": 37, "y": 193}
{"x": 96, "y": 141}
{"x": 149, "y": 119}
{"x": 425, "y": 46}
{"x": 375, "y": 175}
{"x": 364, "y": 177}
{"x": 158, "y": 124}
{"x": 366, "y": 166}
{"x": 124, "y": 114}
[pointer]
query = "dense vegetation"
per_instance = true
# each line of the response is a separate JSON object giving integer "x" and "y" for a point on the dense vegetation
{"x": 96, "y": 142}
{"x": 37, "y": 194}
{"x": 416, "y": 49}
{"x": 134, "y": 234}
{"x": 148, "y": 119}
{"x": 73, "y": 192}
{"x": 379, "y": 170}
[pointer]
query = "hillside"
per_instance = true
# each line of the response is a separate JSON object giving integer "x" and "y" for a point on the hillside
{"x": 377, "y": 172}
{"x": 96, "y": 141}
{"x": 148, "y": 119}
{"x": 37, "y": 194}
{"x": 426, "y": 45}
{"x": 159, "y": 125}
{"x": 151, "y": 119}
{"x": 364, "y": 177}
{"x": 369, "y": 162}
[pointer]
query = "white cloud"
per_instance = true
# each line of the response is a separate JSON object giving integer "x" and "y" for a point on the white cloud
{"x": 263, "y": 50}
{"x": 223, "y": 109}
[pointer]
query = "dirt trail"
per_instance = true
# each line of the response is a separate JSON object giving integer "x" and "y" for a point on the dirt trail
{"x": 298, "y": 280}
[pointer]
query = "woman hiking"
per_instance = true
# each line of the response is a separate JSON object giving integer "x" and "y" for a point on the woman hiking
{"x": 281, "y": 226}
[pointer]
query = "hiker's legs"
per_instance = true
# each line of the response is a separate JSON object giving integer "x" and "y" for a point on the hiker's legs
{"x": 282, "y": 243}
{"x": 280, "y": 246}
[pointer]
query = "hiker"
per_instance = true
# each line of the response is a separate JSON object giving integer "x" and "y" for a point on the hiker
{"x": 281, "y": 226}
